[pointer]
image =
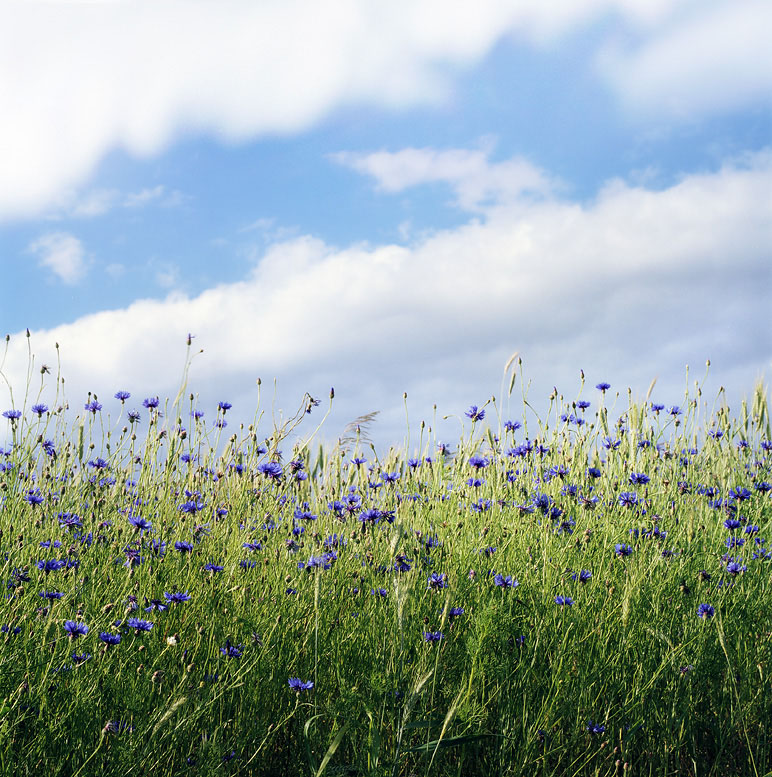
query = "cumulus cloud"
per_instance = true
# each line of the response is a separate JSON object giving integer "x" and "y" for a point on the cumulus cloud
{"x": 81, "y": 80}
{"x": 622, "y": 287}
{"x": 61, "y": 253}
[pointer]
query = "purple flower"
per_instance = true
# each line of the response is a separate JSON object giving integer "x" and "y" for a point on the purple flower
{"x": 564, "y": 600}
{"x": 475, "y": 414}
{"x": 595, "y": 728}
{"x": 39, "y": 409}
{"x": 109, "y": 639}
{"x": 12, "y": 415}
{"x": 622, "y": 550}
{"x": 93, "y": 406}
{"x": 122, "y": 395}
{"x": 433, "y": 636}
{"x": 231, "y": 651}
{"x": 298, "y": 685}
{"x": 437, "y": 580}
{"x": 603, "y": 387}
{"x": 75, "y": 629}
{"x": 139, "y": 625}
{"x": 183, "y": 547}
{"x": 706, "y": 611}
{"x": 505, "y": 582}
{"x": 271, "y": 469}
{"x": 176, "y": 597}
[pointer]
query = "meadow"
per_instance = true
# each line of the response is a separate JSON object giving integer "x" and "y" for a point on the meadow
{"x": 585, "y": 592}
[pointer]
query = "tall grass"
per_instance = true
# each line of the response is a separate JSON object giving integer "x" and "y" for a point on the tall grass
{"x": 523, "y": 602}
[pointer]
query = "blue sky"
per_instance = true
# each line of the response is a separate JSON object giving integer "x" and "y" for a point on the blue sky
{"x": 386, "y": 198}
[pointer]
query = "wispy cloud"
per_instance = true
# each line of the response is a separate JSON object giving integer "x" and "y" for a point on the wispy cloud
{"x": 61, "y": 253}
{"x": 622, "y": 287}
{"x": 477, "y": 182}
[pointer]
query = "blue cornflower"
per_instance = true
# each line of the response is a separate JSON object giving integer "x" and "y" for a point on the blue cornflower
{"x": 674, "y": 411}
{"x": 382, "y": 592}
{"x": 93, "y": 406}
{"x": 224, "y": 406}
{"x": 109, "y": 639}
{"x": 134, "y": 417}
{"x": 639, "y": 479}
{"x": 176, "y": 597}
{"x": 583, "y": 404}
{"x": 628, "y": 499}
{"x": 595, "y": 728}
{"x": 49, "y": 448}
{"x": 183, "y": 547}
{"x": 583, "y": 576}
{"x": 33, "y": 497}
{"x": 298, "y": 685}
{"x": 122, "y": 395}
{"x": 414, "y": 463}
{"x": 50, "y": 595}
{"x": 402, "y": 564}
{"x": 53, "y": 565}
{"x": 621, "y": 549}
{"x": 437, "y": 580}
{"x": 139, "y": 625}
{"x": 706, "y": 611}
{"x": 455, "y": 612}
{"x": 593, "y": 472}
{"x": 75, "y": 629}
{"x": 433, "y": 636}
{"x": 564, "y": 600}
{"x": 740, "y": 493}
{"x": 213, "y": 568}
{"x": 69, "y": 520}
{"x": 138, "y": 522}
{"x": 731, "y": 524}
{"x": 151, "y": 403}
{"x": 39, "y": 409}
{"x": 610, "y": 444}
{"x": 735, "y": 567}
{"x": 603, "y": 387}
{"x": 478, "y": 462}
{"x": 475, "y": 414}
{"x": 505, "y": 582}
{"x": 512, "y": 426}
{"x": 12, "y": 415}
{"x": 231, "y": 651}
{"x": 271, "y": 469}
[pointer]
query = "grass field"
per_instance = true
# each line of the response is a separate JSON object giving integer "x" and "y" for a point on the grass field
{"x": 588, "y": 593}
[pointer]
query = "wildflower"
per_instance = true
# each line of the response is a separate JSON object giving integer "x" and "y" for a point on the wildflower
{"x": 298, "y": 685}
{"x": 512, "y": 426}
{"x": 740, "y": 494}
{"x": 183, "y": 547}
{"x": 176, "y": 597}
{"x": 639, "y": 479}
{"x": 133, "y": 417}
{"x": 382, "y": 592}
{"x": 213, "y": 568}
{"x": 564, "y": 600}
{"x": 433, "y": 636}
{"x": 735, "y": 567}
{"x": 505, "y": 582}
{"x": 610, "y": 444}
{"x": 80, "y": 659}
{"x": 475, "y": 414}
{"x": 390, "y": 477}
{"x": 151, "y": 403}
{"x": 12, "y": 415}
{"x": 674, "y": 411}
{"x": 122, "y": 395}
{"x": 50, "y": 595}
{"x": 140, "y": 523}
{"x": 437, "y": 580}
{"x": 75, "y": 629}
{"x": 595, "y": 728}
{"x": 622, "y": 550}
{"x": 109, "y": 639}
{"x": 628, "y": 499}
{"x": 93, "y": 406}
{"x": 402, "y": 564}
{"x": 39, "y": 409}
{"x": 455, "y": 612}
{"x": 231, "y": 651}
{"x": 478, "y": 462}
{"x": 706, "y": 611}
{"x": 139, "y": 625}
{"x": 34, "y": 498}
{"x": 271, "y": 469}
{"x": 53, "y": 565}
{"x": 603, "y": 387}
{"x": 593, "y": 472}
{"x": 224, "y": 406}
{"x": 583, "y": 576}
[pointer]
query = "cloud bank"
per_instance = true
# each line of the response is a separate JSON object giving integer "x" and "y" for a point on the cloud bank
{"x": 83, "y": 79}
{"x": 622, "y": 287}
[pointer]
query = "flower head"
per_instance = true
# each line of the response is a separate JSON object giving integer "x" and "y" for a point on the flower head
{"x": 706, "y": 611}
{"x": 298, "y": 685}
{"x": 75, "y": 629}
{"x": 475, "y": 414}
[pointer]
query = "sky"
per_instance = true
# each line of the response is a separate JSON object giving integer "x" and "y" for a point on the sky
{"x": 386, "y": 198}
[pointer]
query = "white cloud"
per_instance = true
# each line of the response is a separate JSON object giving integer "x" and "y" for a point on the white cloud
{"x": 81, "y": 80}
{"x": 62, "y": 253}
{"x": 476, "y": 182}
{"x": 636, "y": 284}
{"x": 715, "y": 60}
